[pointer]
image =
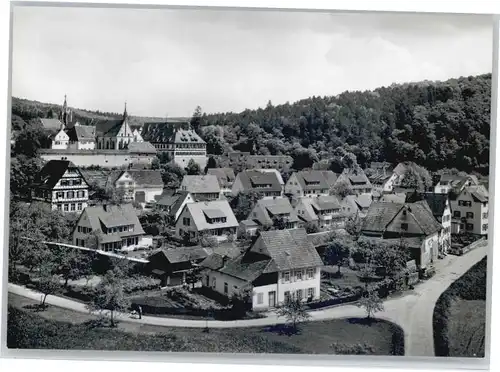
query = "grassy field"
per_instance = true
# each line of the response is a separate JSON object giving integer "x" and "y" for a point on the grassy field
{"x": 460, "y": 315}
{"x": 57, "y": 328}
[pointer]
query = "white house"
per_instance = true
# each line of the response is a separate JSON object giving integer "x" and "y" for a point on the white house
{"x": 280, "y": 264}
{"x": 322, "y": 211}
{"x": 142, "y": 186}
{"x": 266, "y": 184}
{"x": 60, "y": 140}
{"x": 117, "y": 228}
{"x": 266, "y": 212}
{"x": 61, "y": 184}
{"x": 210, "y": 218}
{"x": 310, "y": 183}
{"x": 454, "y": 182}
{"x": 470, "y": 210}
{"x": 411, "y": 223}
{"x": 202, "y": 187}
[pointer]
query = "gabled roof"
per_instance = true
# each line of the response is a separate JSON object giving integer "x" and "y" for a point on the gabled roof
{"x": 387, "y": 217}
{"x": 251, "y": 179}
{"x": 186, "y": 136}
{"x": 207, "y": 184}
{"x": 410, "y": 242}
{"x": 108, "y": 128}
{"x": 184, "y": 254}
{"x": 313, "y": 180}
{"x": 362, "y": 201}
{"x": 99, "y": 177}
{"x": 151, "y": 178}
{"x": 225, "y": 176}
{"x": 247, "y": 266}
{"x": 274, "y": 207}
{"x": 356, "y": 177}
{"x": 401, "y": 169}
{"x": 288, "y": 249}
{"x": 197, "y": 212}
{"x": 330, "y": 176}
{"x": 52, "y": 172}
{"x": 141, "y": 147}
{"x": 173, "y": 201}
{"x": 161, "y": 132}
{"x": 479, "y": 193}
{"x": 112, "y": 216}
{"x": 51, "y": 124}
{"x": 82, "y": 133}
{"x": 436, "y": 202}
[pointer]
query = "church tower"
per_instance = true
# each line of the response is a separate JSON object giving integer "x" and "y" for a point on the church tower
{"x": 66, "y": 115}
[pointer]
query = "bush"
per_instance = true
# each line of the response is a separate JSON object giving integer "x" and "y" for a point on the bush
{"x": 356, "y": 349}
{"x": 140, "y": 283}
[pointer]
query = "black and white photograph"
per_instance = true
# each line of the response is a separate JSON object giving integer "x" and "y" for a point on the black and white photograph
{"x": 249, "y": 181}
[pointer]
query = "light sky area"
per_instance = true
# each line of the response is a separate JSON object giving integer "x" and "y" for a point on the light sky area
{"x": 166, "y": 62}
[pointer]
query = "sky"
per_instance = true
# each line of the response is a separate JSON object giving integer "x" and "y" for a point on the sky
{"x": 165, "y": 62}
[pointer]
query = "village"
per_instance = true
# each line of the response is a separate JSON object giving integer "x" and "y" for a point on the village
{"x": 238, "y": 241}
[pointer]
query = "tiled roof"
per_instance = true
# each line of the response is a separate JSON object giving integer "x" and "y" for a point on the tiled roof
{"x": 479, "y": 193}
{"x": 99, "y": 177}
{"x": 215, "y": 261}
{"x": 289, "y": 249}
{"x": 249, "y": 223}
{"x": 252, "y": 178}
{"x": 248, "y": 266}
{"x": 312, "y": 180}
{"x": 51, "y": 124}
{"x": 379, "y": 215}
{"x": 108, "y": 128}
{"x": 173, "y": 200}
{"x": 187, "y": 136}
{"x": 410, "y": 242}
{"x": 112, "y": 216}
{"x": 197, "y": 211}
{"x": 185, "y": 254}
{"x": 393, "y": 198}
{"x": 436, "y": 202}
{"x": 273, "y": 207}
{"x": 276, "y": 172}
{"x": 82, "y": 133}
{"x": 207, "y": 184}
{"x": 52, "y": 172}
{"x": 330, "y": 177}
{"x": 146, "y": 177}
{"x": 141, "y": 147}
{"x": 225, "y": 176}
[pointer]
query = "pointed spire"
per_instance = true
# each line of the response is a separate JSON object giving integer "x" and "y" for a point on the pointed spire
{"x": 65, "y": 104}
{"x": 125, "y": 114}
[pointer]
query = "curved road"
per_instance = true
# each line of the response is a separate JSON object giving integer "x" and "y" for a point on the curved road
{"x": 412, "y": 310}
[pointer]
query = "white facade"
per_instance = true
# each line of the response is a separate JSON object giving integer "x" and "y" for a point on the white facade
{"x": 473, "y": 215}
{"x": 102, "y": 158}
{"x": 69, "y": 195}
{"x": 429, "y": 250}
{"x": 137, "y": 136}
{"x": 446, "y": 223}
{"x": 386, "y": 186}
{"x": 294, "y": 188}
{"x": 133, "y": 189}
{"x": 86, "y": 145}
{"x": 60, "y": 141}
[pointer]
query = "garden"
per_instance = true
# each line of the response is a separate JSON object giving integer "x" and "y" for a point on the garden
{"x": 460, "y": 316}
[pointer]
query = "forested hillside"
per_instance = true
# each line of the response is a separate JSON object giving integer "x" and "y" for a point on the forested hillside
{"x": 436, "y": 124}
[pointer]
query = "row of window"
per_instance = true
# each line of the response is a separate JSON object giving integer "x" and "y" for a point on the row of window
{"x": 297, "y": 274}
{"x": 70, "y": 207}
{"x": 76, "y": 182}
{"x": 116, "y": 229}
{"x": 217, "y": 220}
{"x": 71, "y": 194}
{"x": 83, "y": 229}
{"x": 464, "y": 203}
{"x": 457, "y": 214}
{"x": 470, "y": 226}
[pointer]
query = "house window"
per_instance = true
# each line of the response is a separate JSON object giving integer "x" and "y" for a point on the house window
{"x": 286, "y": 276}
{"x": 225, "y": 288}
{"x": 71, "y": 194}
{"x": 60, "y": 195}
{"x": 260, "y": 298}
{"x": 73, "y": 206}
{"x": 310, "y": 292}
{"x": 485, "y": 215}
{"x": 66, "y": 207}
{"x": 404, "y": 226}
{"x": 59, "y": 207}
{"x": 470, "y": 215}
{"x": 456, "y": 214}
{"x": 464, "y": 203}
{"x": 485, "y": 227}
{"x": 213, "y": 283}
{"x": 300, "y": 294}
{"x": 298, "y": 275}
{"x": 310, "y": 273}
{"x": 287, "y": 296}
{"x": 186, "y": 221}
{"x": 469, "y": 227}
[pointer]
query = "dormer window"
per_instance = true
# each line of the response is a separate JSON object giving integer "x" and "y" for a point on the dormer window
{"x": 404, "y": 226}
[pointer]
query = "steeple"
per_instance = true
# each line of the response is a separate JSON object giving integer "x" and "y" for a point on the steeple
{"x": 125, "y": 114}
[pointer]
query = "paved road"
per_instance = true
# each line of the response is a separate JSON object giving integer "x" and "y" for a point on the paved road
{"x": 412, "y": 310}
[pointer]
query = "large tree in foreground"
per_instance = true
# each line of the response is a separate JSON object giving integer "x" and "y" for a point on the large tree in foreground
{"x": 294, "y": 311}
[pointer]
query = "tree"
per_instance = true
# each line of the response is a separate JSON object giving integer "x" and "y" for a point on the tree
{"x": 193, "y": 168}
{"x": 243, "y": 204}
{"x": 312, "y": 228}
{"x": 372, "y": 303}
{"x": 23, "y": 173}
{"x": 30, "y": 140}
{"x": 341, "y": 189}
{"x": 193, "y": 275}
{"x": 73, "y": 264}
{"x": 416, "y": 177}
{"x": 47, "y": 283}
{"x": 196, "y": 119}
{"x": 211, "y": 163}
{"x": 109, "y": 295}
{"x": 240, "y": 300}
{"x": 279, "y": 223}
{"x": 294, "y": 311}
{"x": 172, "y": 175}
{"x": 392, "y": 257}
{"x": 353, "y": 225}
{"x": 337, "y": 253}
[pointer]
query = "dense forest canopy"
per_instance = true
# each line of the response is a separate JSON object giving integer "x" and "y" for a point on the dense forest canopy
{"x": 435, "y": 124}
